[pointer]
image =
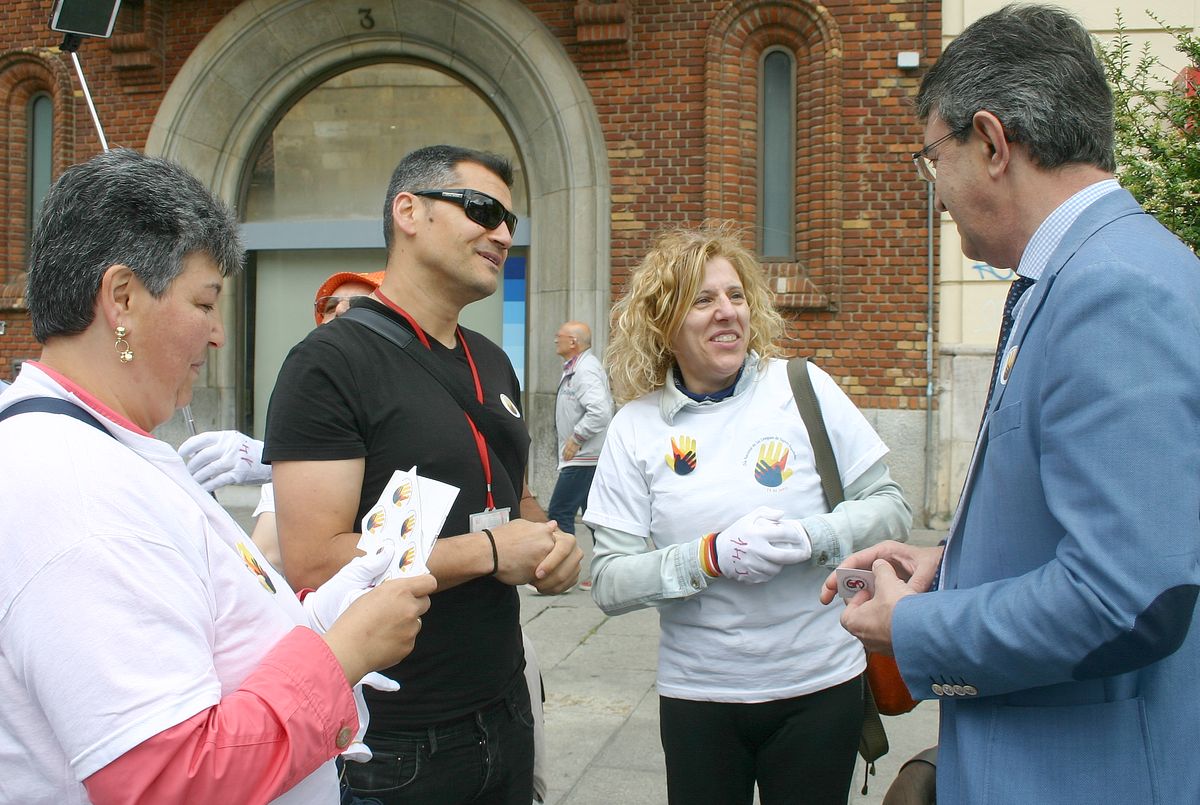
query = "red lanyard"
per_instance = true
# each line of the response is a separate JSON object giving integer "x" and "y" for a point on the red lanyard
{"x": 480, "y": 442}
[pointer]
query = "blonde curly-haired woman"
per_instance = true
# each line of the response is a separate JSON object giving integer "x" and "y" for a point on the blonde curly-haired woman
{"x": 707, "y": 505}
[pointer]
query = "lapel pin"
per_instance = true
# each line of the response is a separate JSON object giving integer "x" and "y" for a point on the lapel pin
{"x": 1009, "y": 360}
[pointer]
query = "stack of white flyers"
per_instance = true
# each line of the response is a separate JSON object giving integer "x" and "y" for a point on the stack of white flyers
{"x": 409, "y": 514}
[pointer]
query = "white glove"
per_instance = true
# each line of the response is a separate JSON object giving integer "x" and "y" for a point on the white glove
{"x": 358, "y": 751}
{"x": 331, "y": 599}
{"x": 757, "y": 546}
{"x": 378, "y": 681}
{"x": 217, "y": 458}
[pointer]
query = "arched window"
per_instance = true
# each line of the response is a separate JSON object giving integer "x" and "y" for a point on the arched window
{"x": 39, "y": 147}
{"x": 35, "y": 84}
{"x": 777, "y": 64}
{"x": 776, "y": 155}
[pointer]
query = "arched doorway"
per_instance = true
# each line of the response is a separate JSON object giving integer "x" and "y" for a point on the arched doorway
{"x": 311, "y": 203}
{"x": 249, "y": 69}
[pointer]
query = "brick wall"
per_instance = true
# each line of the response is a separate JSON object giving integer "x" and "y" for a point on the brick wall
{"x": 679, "y": 111}
{"x": 675, "y": 90}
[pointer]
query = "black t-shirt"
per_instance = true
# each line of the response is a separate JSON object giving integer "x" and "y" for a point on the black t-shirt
{"x": 346, "y": 392}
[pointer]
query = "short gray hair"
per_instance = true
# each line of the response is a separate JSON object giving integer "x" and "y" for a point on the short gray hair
{"x": 1034, "y": 67}
{"x": 120, "y": 208}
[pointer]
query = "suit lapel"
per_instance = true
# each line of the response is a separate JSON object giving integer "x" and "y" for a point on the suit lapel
{"x": 1114, "y": 206}
{"x": 1103, "y": 212}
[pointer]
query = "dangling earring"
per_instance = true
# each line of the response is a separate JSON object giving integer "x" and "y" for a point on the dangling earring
{"x": 123, "y": 350}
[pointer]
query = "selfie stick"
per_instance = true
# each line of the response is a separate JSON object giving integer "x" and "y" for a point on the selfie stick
{"x": 70, "y": 44}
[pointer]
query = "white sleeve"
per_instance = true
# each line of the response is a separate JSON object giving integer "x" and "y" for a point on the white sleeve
{"x": 875, "y": 508}
{"x": 628, "y": 571}
{"x": 596, "y": 401}
{"x": 620, "y": 492}
{"x": 266, "y": 500}
{"x": 113, "y": 640}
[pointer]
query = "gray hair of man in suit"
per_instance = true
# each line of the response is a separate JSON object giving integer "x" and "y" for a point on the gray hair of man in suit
{"x": 1035, "y": 68}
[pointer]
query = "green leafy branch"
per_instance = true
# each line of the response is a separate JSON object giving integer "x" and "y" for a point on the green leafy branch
{"x": 1157, "y": 128}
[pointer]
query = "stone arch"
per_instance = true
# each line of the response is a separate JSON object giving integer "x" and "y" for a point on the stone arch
{"x": 259, "y": 56}
{"x": 737, "y": 38}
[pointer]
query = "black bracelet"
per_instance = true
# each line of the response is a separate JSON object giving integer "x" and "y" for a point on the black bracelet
{"x": 495, "y": 556}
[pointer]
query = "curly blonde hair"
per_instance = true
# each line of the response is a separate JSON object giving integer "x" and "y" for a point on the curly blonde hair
{"x": 659, "y": 295}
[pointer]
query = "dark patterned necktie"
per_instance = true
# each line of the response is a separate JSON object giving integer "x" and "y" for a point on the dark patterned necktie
{"x": 1018, "y": 287}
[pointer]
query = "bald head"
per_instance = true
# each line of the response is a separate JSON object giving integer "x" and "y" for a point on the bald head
{"x": 572, "y": 338}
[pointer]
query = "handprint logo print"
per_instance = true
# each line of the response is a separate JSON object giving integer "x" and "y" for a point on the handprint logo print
{"x": 682, "y": 458}
{"x": 771, "y": 468}
{"x": 406, "y": 559}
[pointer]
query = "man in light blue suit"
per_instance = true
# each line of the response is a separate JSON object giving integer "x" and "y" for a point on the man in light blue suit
{"x": 1059, "y": 636}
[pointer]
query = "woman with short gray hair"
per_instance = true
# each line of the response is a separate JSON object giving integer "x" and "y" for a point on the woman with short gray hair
{"x": 148, "y": 652}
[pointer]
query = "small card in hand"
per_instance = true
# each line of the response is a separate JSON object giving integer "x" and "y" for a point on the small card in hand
{"x": 851, "y": 581}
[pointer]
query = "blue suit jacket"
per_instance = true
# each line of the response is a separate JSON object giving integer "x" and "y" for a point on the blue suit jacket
{"x": 1061, "y": 642}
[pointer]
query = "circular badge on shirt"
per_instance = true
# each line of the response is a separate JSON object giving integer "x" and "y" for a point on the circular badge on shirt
{"x": 510, "y": 406}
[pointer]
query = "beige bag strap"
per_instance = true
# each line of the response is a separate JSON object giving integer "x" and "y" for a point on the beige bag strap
{"x": 818, "y": 436}
{"x": 874, "y": 743}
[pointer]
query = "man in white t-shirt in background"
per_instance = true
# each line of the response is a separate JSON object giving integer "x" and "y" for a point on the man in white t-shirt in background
{"x": 582, "y": 411}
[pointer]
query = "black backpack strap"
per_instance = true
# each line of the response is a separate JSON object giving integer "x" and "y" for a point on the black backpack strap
{"x": 387, "y": 328}
{"x": 381, "y": 324}
{"x": 52, "y": 405}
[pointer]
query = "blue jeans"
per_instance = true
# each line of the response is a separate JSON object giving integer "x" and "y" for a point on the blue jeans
{"x": 485, "y": 758}
{"x": 570, "y": 496}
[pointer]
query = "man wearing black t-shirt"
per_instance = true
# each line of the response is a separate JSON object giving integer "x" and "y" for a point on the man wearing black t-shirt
{"x": 351, "y": 406}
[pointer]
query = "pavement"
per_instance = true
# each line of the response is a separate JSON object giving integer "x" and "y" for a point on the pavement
{"x": 601, "y": 710}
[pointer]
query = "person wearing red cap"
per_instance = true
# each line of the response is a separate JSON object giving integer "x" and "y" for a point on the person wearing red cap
{"x": 336, "y": 293}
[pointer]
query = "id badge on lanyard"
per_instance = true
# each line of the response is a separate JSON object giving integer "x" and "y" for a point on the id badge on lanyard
{"x": 489, "y": 518}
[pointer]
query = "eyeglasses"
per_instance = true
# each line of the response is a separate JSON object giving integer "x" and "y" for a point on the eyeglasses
{"x": 328, "y": 305}
{"x": 927, "y": 165}
{"x": 479, "y": 207}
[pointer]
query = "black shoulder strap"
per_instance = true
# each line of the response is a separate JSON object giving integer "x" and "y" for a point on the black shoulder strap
{"x": 52, "y": 405}
{"x": 387, "y": 328}
{"x": 810, "y": 412}
{"x": 381, "y": 324}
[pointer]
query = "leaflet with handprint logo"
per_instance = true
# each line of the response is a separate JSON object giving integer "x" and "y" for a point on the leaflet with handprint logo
{"x": 682, "y": 458}
{"x": 771, "y": 467}
{"x": 410, "y": 514}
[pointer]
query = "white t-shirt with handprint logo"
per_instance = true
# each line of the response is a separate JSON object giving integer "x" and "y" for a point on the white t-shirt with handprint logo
{"x": 675, "y": 482}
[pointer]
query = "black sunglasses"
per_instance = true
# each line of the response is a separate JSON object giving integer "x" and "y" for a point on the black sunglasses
{"x": 479, "y": 207}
